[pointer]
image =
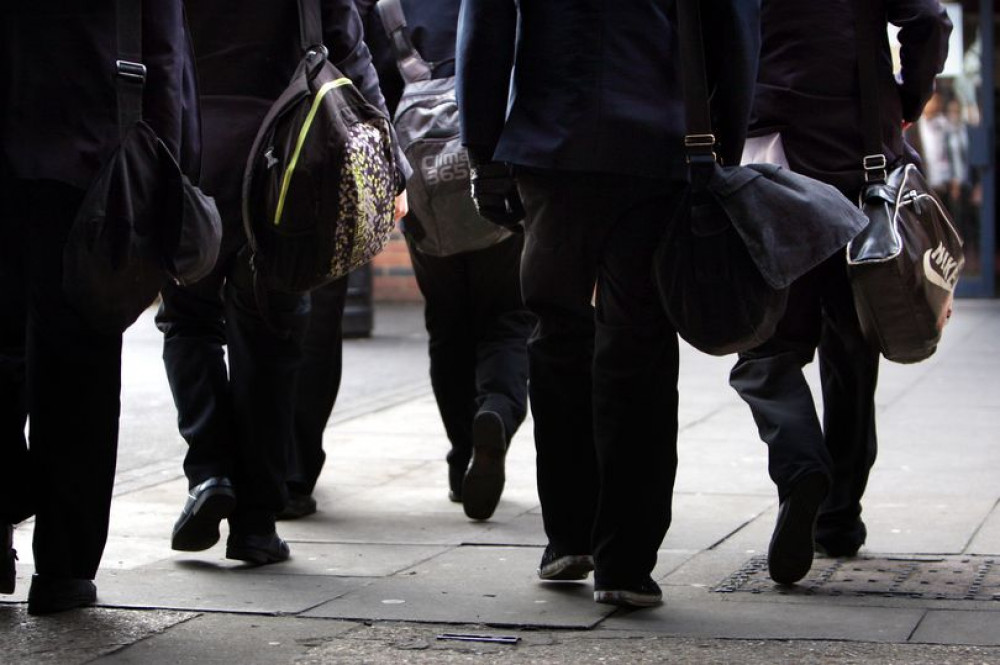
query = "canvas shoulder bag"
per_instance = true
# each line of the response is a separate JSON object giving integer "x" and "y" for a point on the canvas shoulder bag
{"x": 142, "y": 220}
{"x": 444, "y": 219}
{"x": 740, "y": 234}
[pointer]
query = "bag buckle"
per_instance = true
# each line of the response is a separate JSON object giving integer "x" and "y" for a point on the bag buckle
{"x": 875, "y": 168}
{"x": 131, "y": 71}
{"x": 702, "y": 145}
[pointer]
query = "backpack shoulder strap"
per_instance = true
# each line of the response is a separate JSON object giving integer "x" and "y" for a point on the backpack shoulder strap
{"x": 874, "y": 161}
{"x": 310, "y": 24}
{"x": 411, "y": 66}
{"x": 130, "y": 72}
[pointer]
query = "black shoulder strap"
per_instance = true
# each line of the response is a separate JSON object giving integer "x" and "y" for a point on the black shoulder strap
{"x": 411, "y": 66}
{"x": 310, "y": 24}
{"x": 874, "y": 161}
{"x": 129, "y": 70}
{"x": 699, "y": 138}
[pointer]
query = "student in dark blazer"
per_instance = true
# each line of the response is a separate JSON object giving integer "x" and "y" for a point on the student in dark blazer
{"x": 808, "y": 93}
{"x": 238, "y": 420}
{"x": 593, "y": 129}
{"x": 475, "y": 317}
{"x": 58, "y": 122}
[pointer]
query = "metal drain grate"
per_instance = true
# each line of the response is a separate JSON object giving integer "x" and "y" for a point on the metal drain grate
{"x": 945, "y": 578}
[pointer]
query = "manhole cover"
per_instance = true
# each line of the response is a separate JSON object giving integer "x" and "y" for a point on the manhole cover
{"x": 945, "y": 578}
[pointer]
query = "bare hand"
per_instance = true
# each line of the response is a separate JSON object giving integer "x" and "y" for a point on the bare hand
{"x": 402, "y": 207}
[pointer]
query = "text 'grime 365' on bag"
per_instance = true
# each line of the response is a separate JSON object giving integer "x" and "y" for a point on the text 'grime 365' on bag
{"x": 904, "y": 266}
{"x": 444, "y": 219}
{"x": 320, "y": 183}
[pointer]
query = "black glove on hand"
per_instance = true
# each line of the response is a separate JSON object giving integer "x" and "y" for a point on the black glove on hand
{"x": 495, "y": 194}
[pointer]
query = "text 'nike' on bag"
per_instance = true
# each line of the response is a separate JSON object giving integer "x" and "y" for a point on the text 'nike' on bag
{"x": 904, "y": 266}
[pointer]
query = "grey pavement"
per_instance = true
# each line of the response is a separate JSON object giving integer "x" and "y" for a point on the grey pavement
{"x": 389, "y": 567}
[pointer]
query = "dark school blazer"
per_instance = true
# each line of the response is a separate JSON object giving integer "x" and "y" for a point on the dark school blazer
{"x": 807, "y": 87}
{"x": 590, "y": 85}
{"x": 58, "y": 112}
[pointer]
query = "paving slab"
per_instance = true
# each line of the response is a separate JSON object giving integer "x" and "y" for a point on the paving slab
{"x": 258, "y": 639}
{"x": 957, "y": 627}
{"x": 199, "y": 585}
{"x": 77, "y": 636}
{"x": 987, "y": 539}
{"x": 490, "y": 585}
{"x": 321, "y": 558}
{"x": 923, "y": 524}
{"x": 702, "y": 520}
{"x": 748, "y": 620}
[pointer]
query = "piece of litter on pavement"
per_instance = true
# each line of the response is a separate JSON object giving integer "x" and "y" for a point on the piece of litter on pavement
{"x": 471, "y": 637}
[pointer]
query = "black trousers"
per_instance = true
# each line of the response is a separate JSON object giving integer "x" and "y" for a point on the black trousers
{"x": 603, "y": 382}
{"x": 62, "y": 377}
{"x": 820, "y": 316}
{"x": 478, "y": 330}
{"x": 236, "y": 417}
{"x": 318, "y": 385}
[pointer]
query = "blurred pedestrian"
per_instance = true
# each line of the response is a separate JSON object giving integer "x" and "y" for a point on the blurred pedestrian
{"x": 475, "y": 318}
{"x": 238, "y": 421}
{"x": 57, "y": 372}
{"x": 808, "y": 91}
{"x": 575, "y": 110}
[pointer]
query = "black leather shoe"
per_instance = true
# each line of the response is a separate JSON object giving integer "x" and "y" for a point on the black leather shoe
{"x": 790, "y": 555}
{"x": 8, "y": 555}
{"x": 456, "y": 476}
{"x": 298, "y": 505}
{"x": 257, "y": 549}
{"x": 208, "y": 504}
{"x": 485, "y": 478}
{"x": 56, "y": 594}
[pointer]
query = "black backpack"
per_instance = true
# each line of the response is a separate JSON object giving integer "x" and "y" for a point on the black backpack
{"x": 320, "y": 182}
{"x": 444, "y": 219}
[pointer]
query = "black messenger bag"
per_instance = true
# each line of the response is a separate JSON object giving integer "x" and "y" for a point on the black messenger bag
{"x": 142, "y": 220}
{"x": 741, "y": 234}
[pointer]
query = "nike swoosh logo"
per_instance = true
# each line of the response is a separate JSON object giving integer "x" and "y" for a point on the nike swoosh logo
{"x": 933, "y": 276}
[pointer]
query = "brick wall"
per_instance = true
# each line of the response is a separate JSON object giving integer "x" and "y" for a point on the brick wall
{"x": 393, "y": 279}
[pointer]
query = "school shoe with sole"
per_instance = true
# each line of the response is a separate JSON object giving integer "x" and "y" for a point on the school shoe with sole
{"x": 484, "y": 480}
{"x": 207, "y": 504}
{"x": 790, "y": 554}
{"x": 644, "y": 594}
{"x": 257, "y": 549}
{"x": 564, "y": 567}
{"x": 297, "y": 506}
{"x": 48, "y": 595}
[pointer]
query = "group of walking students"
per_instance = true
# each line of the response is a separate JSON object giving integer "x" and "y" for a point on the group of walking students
{"x": 572, "y": 115}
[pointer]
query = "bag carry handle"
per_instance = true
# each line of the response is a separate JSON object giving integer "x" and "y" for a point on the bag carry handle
{"x": 699, "y": 138}
{"x": 412, "y": 67}
{"x": 874, "y": 162}
{"x": 130, "y": 73}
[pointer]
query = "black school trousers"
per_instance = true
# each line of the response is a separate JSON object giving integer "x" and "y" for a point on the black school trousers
{"x": 232, "y": 362}
{"x": 478, "y": 331}
{"x": 603, "y": 376}
{"x": 820, "y": 319}
{"x": 61, "y": 377}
